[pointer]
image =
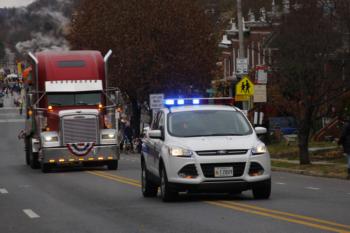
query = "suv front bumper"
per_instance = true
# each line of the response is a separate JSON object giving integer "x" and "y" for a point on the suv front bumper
{"x": 216, "y": 186}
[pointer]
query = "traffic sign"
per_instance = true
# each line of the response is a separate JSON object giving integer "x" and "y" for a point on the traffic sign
{"x": 156, "y": 101}
{"x": 245, "y": 87}
{"x": 242, "y": 65}
{"x": 260, "y": 94}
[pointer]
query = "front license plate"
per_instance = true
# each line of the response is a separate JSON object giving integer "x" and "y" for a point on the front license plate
{"x": 223, "y": 171}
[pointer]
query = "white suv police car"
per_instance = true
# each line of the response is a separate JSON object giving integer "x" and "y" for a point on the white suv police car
{"x": 203, "y": 148}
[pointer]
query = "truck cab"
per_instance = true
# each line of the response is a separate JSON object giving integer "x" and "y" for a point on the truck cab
{"x": 71, "y": 112}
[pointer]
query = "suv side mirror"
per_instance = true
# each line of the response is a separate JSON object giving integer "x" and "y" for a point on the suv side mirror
{"x": 155, "y": 133}
{"x": 260, "y": 130}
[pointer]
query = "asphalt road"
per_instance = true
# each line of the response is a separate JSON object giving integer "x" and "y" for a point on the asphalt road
{"x": 98, "y": 201}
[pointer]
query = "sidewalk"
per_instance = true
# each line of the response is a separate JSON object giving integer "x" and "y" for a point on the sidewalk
{"x": 316, "y": 168}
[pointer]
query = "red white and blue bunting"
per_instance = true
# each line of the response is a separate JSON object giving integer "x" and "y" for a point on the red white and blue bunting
{"x": 80, "y": 149}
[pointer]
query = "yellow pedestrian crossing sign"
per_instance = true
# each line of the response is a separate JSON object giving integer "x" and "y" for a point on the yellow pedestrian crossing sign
{"x": 245, "y": 87}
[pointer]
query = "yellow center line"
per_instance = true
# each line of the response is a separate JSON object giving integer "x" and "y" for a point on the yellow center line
{"x": 115, "y": 179}
{"x": 301, "y": 222}
{"x": 118, "y": 177}
{"x": 286, "y": 214}
{"x": 252, "y": 209}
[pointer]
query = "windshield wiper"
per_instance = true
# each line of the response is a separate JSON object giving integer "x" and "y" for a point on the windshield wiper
{"x": 224, "y": 134}
{"x": 213, "y": 134}
{"x": 55, "y": 104}
{"x": 81, "y": 103}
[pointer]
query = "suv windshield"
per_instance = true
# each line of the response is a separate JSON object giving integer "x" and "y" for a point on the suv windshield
{"x": 207, "y": 123}
{"x": 73, "y": 99}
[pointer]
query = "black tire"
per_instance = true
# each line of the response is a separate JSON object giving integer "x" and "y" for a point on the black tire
{"x": 262, "y": 190}
{"x": 112, "y": 165}
{"x": 26, "y": 148}
{"x": 166, "y": 193}
{"x": 148, "y": 188}
{"x": 33, "y": 157}
{"x": 45, "y": 167}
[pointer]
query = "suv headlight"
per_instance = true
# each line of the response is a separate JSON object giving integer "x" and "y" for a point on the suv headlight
{"x": 259, "y": 149}
{"x": 180, "y": 152}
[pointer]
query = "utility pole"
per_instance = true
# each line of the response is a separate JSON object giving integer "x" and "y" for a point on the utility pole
{"x": 240, "y": 29}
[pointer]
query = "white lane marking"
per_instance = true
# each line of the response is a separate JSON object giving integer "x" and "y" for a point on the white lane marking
{"x": 3, "y": 191}
{"x": 30, "y": 213}
{"x": 12, "y": 120}
{"x": 280, "y": 183}
{"x": 8, "y": 108}
{"x": 312, "y": 188}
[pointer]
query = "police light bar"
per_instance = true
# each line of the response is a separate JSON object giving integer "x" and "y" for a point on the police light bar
{"x": 198, "y": 101}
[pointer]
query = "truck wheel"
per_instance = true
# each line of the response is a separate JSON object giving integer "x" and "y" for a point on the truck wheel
{"x": 45, "y": 167}
{"x": 112, "y": 165}
{"x": 26, "y": 148}
{"x": 33, "y": 157}
{"x": 149, "y": 189}
{"x": 262, "y": 189}
{"x": 166, "y": 193}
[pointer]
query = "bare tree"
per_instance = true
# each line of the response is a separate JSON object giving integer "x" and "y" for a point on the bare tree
{"x": 308, "y": 69}
{"x": 159, "y": 45}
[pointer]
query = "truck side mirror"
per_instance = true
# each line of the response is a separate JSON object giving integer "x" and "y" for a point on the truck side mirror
{"x": 118, "y": 97}
{"x": 30, "y": 99}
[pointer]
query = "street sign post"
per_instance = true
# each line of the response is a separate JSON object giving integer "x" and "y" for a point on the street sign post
{"x": 156, "y": 101}
{"x": 242, "y": 66}
{"x": 245, "y": 87}
{"x": 260, "y": 94}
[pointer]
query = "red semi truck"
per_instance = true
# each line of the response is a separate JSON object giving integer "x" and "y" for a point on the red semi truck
{"x": 71, "y": 111}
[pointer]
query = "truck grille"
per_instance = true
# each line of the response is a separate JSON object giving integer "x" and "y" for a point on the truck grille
{"x": 79, "y": 128}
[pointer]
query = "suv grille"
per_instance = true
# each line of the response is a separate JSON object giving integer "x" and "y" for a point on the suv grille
{"x": 208, "y": 168}
{"x": 79, "y": 128}
{"x": 221, "y": 152}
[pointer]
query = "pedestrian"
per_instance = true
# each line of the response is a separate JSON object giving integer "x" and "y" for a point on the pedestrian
{"x": 344, "y": 140}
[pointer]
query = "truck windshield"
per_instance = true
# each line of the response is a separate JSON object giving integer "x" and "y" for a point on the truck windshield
{"x": 208, "y": 123}
{"x": 74, "y": 99}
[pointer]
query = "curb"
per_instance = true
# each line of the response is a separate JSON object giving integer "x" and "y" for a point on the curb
{"x": 306, "y": 173}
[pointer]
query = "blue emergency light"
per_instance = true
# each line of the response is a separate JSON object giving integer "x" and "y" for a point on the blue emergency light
{"x": 198, "y": 101}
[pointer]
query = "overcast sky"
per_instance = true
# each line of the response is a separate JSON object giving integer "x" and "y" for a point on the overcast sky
{"x": 14, "y": 3}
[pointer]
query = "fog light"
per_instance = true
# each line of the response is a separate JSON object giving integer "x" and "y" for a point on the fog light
{"x": 183, "y": 175}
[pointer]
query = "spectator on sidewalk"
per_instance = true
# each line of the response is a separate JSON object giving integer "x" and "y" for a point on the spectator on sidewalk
{"x": 345, "y": 142}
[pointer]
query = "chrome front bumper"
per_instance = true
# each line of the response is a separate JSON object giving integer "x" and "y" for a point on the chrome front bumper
{"x": 98, "y": 153}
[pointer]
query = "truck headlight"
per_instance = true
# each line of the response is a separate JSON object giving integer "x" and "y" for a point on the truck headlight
{"x": 50, "y": 138}
{"x": 180, "y": 152}
{"x": 259, "y": 149}
{"x": 108, "y": 136}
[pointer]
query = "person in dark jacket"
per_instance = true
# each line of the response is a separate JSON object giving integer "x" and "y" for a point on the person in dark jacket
{"x": 345, "y": 142}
